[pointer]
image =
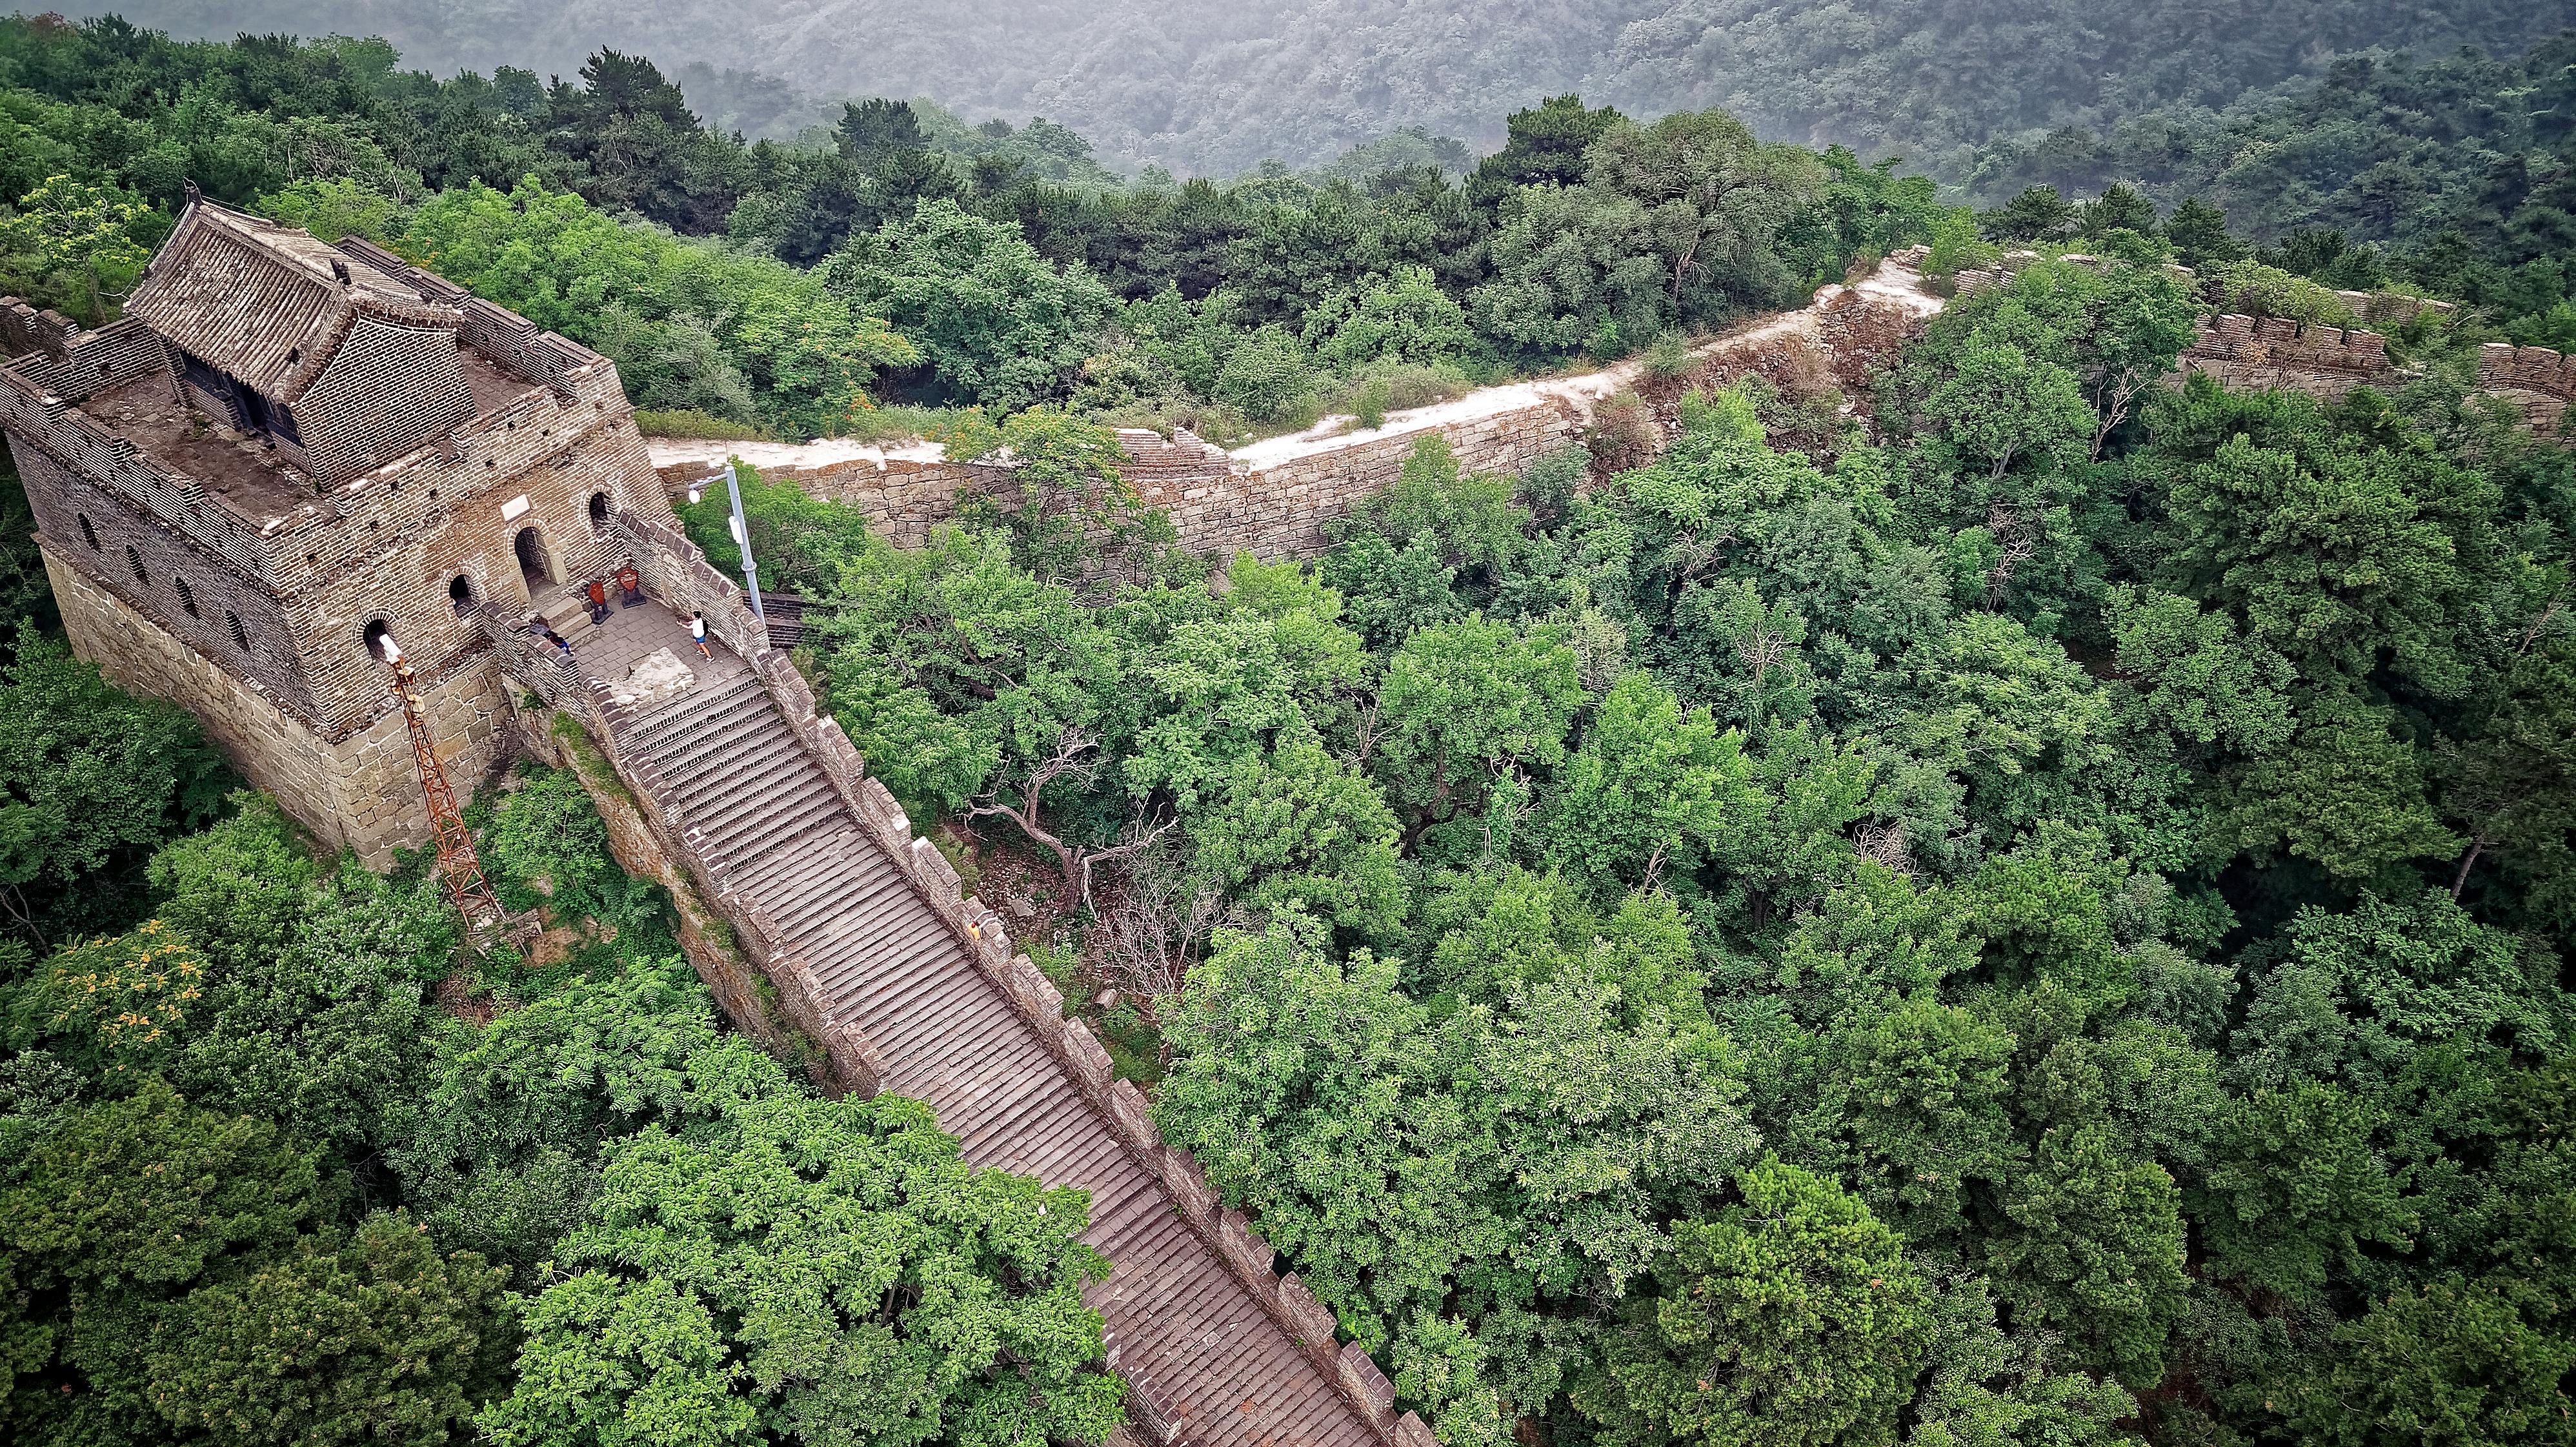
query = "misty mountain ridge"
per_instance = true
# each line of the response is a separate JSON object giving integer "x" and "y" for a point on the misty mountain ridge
{"x": 1218, "y": 92}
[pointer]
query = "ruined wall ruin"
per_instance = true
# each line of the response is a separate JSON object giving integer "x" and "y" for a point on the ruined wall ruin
{"x": 2326, "y": 362}
{"x": 2539, "y": 381}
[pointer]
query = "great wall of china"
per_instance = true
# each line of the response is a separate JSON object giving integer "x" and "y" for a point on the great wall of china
{"x": 1275, "y": 498}
{"x": 808, "y": 902}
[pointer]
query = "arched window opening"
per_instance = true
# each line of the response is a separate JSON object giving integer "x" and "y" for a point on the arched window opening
{"x": 599, "y": 509}
{"x": 460, "y": 591}
{"x": 89, "y": 534}
{"x": 187, "y": 599}
{"x": 378, "y": 636}
{"x": 134, "y": 560}
{"x": 232, "y": 624}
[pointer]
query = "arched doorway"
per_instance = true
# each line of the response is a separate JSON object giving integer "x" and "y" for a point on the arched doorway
{"x": 531, "y": 548}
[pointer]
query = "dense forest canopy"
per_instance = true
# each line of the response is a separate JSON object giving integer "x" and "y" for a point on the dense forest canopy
{"x": 1998, "y": 903}
{"x": 1013, "y": 267}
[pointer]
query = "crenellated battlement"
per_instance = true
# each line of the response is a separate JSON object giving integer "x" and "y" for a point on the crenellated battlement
{"x": 2246, "y": 351}
{"x": 2540, "y": 381}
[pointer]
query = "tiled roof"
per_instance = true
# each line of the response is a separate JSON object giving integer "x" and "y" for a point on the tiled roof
{"x": 263, "y": 301}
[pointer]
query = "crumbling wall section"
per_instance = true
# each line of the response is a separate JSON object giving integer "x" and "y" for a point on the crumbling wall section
{"x": 25, "y": 330}
{"x": 2539, "y": 381}
{"x": 2327, "y": 362}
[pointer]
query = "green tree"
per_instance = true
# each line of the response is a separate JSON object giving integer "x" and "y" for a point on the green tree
{"x": 813, "y": 1269}
{"x": 2095, "y": 1250}
{"x": 376, "y": 1339}
{"x": 1649, "y": 781}
{"x": 1402, "y": 318}
{"x": 1295, "y": 827}
{"x": 1269, "y": 377}
{"x": 1074, "y": 509}
{"x": 88, "y": 772}
{"x": 2341, "y": 549}
{"x": 1461, "y": 705}
{"x": 171, "y": 1284}
{"x": 1906, "y": 1105}
{"x": 1791, "y": 1318}
{"x": 2198, "y": 233}
{"x": 2513, "y": 784}
{"x": 2202, "y": 681}
{"x": 2452, "y": 1364}
{"x": 2294, "y": 1189}
{"x": 2039, "y": 213}
{"x": 2346, "y": 791}
{"x": 85, "y": 234}
{"x": 1999, "y": 405}
{"x": 689, "y": 324}
{"x": 2357, "y": 994}
{"x": 998, "y": 323}
{"x": 1712, "y": 199}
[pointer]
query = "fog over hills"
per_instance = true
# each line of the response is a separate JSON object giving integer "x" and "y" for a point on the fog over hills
{"x": 1217, "y": 89}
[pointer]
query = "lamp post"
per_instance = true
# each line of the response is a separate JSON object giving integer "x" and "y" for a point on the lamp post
{"x": 743, "y": 536}
{"x": 742, "y": 540}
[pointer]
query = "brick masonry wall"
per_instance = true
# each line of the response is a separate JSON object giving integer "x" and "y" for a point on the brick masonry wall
{"x": 361, "y": 792}
{"x": 184, "y": 589}
{"x": 78, "y": 363}
{"x": 2245, "y": 351}
{"x": 2540, "y": 381}
{"x": 1216, "y": 503}
{"x": 408, "y": 531}
{"x": 304, "y": 588}
{"x": 1283, "y": 511}
{"x": 900, "y": 498}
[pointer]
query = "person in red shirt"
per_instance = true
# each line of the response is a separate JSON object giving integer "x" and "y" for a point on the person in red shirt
{"x": 631, "y": 583}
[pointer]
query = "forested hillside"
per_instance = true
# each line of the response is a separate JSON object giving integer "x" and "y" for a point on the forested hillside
{"x": 1995, "y": 902}
{"x": 1218, "y": 90}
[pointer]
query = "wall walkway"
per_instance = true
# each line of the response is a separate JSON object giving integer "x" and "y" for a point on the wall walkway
{"x": 911, "y": 987}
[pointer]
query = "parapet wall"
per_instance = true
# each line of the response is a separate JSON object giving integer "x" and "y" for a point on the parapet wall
{"x": 25, "y": 330}
{"x": 2542, "y": 382}
{"x": 2245, "y": 351}
{"x": 1283, "y": 508}
{"x": 1277, "y": 505}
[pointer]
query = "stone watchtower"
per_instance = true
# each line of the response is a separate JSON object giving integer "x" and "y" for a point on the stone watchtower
{"x": 288, "y": 449}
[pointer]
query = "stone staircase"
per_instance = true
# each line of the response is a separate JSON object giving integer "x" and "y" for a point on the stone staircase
{"x": 1207, "y": 1361}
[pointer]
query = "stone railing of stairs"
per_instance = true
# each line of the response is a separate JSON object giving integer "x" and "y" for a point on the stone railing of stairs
{"x": 1352, "y": 1387}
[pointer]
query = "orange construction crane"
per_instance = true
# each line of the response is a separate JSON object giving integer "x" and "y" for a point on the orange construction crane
{"x": 460, "y": 869}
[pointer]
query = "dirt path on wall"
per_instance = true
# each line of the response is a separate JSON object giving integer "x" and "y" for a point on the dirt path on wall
{"x": 1892, "y": 284}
